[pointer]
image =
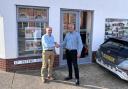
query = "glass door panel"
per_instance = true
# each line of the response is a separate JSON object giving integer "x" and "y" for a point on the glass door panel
{"x": 83, "y": 33}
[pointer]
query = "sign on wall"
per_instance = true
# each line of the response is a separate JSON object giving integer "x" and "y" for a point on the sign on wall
{"x": 27, "y": 61}
{"x": 116, "y": 28}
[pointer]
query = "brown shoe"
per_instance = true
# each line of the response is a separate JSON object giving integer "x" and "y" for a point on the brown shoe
{"x": 50, "y": 78}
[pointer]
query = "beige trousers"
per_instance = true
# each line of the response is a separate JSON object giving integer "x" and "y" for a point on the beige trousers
{"x": 47, "y": 63}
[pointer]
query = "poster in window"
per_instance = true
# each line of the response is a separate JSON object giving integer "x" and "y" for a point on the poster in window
{"x": 31, "y": 45}
{"x": 116, "y": 28}
{"x": 33, "y": 32}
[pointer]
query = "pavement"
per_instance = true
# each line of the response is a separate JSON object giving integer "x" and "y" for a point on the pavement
{"x": 92, "y": 76}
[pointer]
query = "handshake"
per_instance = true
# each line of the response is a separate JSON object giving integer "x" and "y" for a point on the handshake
{"x": 57, "y": 45}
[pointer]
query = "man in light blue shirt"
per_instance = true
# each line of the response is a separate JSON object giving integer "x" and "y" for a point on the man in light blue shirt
{"x": 48, "y": 42}
{"x": 73, "y": 45}
{"x": 48, "y": 53}
{"x": 73, "y": 41}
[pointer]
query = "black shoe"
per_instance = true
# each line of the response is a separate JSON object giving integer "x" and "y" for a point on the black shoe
{"x": 77, "y": 83}
{"x": 68, "y": 78}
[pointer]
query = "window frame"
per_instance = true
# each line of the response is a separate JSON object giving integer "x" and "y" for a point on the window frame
{"x": 34, "y": 20}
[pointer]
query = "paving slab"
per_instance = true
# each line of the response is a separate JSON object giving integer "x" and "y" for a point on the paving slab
{"x": 98, "y": 77}
{"x": 6, "y": 79}
{"x": 92, "y": 76}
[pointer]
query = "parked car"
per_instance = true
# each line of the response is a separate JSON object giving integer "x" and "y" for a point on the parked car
{"x": 113, "y": 55}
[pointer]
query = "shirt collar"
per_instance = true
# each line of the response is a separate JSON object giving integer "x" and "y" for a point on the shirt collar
{"x": 48, "y": 35}
{"x": 72, "y": 32}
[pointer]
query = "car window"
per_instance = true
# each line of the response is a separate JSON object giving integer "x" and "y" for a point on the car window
{"x": 116, "y": 46}
{"x": 111, "y": 45}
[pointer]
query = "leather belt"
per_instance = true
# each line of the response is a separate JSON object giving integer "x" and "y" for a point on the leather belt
{"x": 48, "y": 50}
{"x": 71, "y": 49}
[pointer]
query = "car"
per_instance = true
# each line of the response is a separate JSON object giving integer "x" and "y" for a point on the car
{"x": 113, "y": 55}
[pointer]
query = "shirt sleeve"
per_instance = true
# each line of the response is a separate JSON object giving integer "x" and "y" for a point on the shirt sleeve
{"x": 65, "y": 41}
{"x": 63, "y": 44}
{"x": 80, "y": 44}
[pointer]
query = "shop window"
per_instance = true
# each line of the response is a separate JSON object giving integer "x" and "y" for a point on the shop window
{"x": 31, "y": 24}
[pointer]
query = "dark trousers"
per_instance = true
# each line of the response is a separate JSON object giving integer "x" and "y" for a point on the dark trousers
{"x": 71, "y": 56}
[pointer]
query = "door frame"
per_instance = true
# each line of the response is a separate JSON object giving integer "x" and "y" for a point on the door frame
{"x": 87, "y": 59}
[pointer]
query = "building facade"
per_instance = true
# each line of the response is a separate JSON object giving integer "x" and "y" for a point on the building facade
{"x": 23, "y": 22}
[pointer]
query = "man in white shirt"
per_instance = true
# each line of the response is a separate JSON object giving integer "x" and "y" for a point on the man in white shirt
{"x": 48, "y": 54}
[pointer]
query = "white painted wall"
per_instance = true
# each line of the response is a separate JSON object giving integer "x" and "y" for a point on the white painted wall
{"x": 102, "y": 9}
{"x": 8, "y": 11}
{"x": 2, "y": 43}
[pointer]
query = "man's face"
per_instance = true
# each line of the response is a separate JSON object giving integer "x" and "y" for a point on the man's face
{"x": 49, "y": 31}
{"x": 70, "y": 27}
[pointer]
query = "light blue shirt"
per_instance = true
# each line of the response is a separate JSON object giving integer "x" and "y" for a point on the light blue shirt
{"x": 48, "y": 42}
{"x": 73, "y": 41}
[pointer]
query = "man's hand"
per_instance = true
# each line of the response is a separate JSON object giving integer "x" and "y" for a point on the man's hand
{"x": 78, "y": 56}
{"x": 57, "y": 45}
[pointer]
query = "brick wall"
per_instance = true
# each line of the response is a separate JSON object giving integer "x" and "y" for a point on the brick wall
{"x": 2, "y": 64}
{"x": 8, "y": 64}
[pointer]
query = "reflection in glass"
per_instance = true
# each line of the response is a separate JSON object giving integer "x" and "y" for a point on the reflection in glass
{"x": 68, "y": 18}
{"x": 31, "y": 23}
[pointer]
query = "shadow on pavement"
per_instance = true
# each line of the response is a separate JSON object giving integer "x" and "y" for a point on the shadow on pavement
{"x": 81, "y": 85}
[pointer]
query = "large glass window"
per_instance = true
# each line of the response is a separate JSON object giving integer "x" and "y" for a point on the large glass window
{"x": 31, "y": 24}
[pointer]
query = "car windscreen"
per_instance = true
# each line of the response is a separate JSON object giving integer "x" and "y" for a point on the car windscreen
{"x": 112, "y": 45}
{"x": 122, "y": 49}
